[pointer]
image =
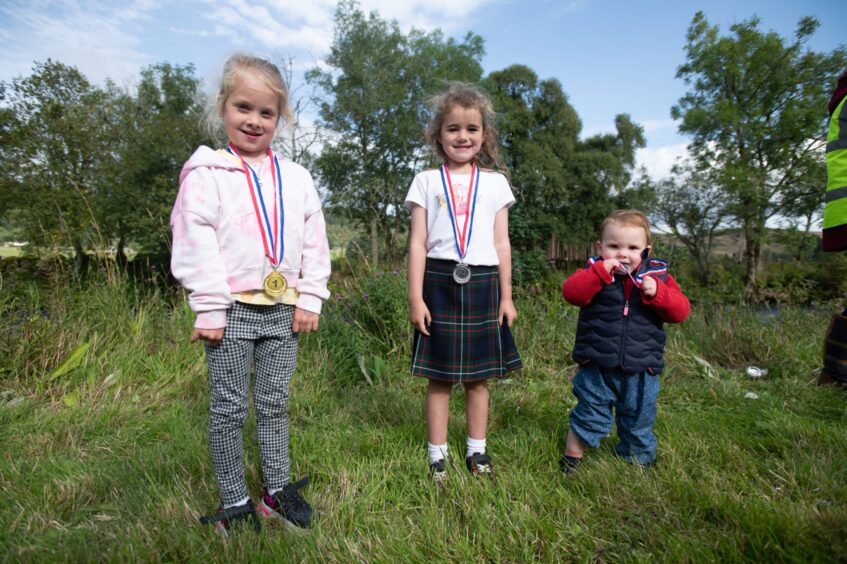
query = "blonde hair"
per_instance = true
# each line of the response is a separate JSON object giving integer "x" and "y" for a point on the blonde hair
{"x": 627, "y": 218}
{"x": 235, "y": 68}
{"x": 467, "y": 97}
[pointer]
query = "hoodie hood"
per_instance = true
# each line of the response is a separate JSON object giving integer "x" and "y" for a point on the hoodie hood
{"x": 839, "y": 93}
{"x": 205, "y": 157}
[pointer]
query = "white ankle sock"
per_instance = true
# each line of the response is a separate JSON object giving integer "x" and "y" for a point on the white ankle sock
{"x": 436, "y": 452}
{"x": 475, "y": 445}
{"x": 242, "y": 502}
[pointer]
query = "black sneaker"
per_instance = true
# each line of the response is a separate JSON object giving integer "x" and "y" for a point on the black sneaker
{"x": 288, "y": 506}
{"x": 480, "y": 464}
{"x": 437, "y": 471}
{"x": 225, "y": 520}
{"x": 569, "y": 464}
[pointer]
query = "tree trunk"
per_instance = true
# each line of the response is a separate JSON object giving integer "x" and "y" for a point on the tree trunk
{"x": 753, "y": 235}
{"x": 120, "y": 253}
{"x": 81, "y": 259}
{"x": 374, "y": 242}
{"x": 800, "y": 247}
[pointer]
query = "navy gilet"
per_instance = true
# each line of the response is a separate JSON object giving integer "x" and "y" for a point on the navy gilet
{"x": 605, "y": 336}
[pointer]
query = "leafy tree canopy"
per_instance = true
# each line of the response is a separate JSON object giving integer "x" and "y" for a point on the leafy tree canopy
{"x": 756, "y": 111}
{"x": 374, "y": 102}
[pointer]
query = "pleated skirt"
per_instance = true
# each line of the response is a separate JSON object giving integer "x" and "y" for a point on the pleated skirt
{"x": 466, "y": 342}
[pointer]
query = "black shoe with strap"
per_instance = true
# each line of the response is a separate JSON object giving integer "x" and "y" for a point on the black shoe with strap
{"x": 569, "y": 464}
{"x": 437, "y": 471}
{"x": 479, "y": 464}
{"x": 289, "y": 506}
{"x": 225, "y": 519}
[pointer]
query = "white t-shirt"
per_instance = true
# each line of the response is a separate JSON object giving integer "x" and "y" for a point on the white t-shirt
{"x": 494, "y": 193}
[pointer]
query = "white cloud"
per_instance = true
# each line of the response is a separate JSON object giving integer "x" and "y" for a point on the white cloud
{"x": 426, "y": 14}
{"x": 114, "y": 39}
{"x": 659, "y": 160}
{"x": 654, "y": 125}
{"x": 308, "y": 25}
{"x": 96, "y": 37}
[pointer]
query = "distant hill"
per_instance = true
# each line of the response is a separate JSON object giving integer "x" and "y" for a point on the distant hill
{"x": 730, "y": 243}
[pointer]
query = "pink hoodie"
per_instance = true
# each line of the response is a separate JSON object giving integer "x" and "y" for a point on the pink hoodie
{"x": 217, "y": 245}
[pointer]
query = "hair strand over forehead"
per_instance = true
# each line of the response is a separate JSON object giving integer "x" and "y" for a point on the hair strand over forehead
{"x": 627, "y": 218}
{"x": 235, "y": 68}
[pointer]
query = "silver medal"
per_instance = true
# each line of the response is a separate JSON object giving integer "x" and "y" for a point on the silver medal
{"x": 462, "y": 273}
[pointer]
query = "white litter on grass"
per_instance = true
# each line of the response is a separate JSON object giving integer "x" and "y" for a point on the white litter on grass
{"x": 751, "y": 395}
{"x": 14, "y": 402}
{"x": 708, "y": 370}
{"x": 756, "y": 372}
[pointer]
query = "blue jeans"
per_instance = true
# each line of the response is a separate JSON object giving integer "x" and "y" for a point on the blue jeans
{"x": 633, "y": 399}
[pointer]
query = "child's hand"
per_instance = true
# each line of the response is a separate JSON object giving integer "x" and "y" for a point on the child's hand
{"x": 419, "y": 316}
{"x": 211, "y": 336}
{"x": 305, "y": 321}
{"x": 649, "y": 286}
{"x": 507, "y": 312}
{"x": 611, "y": 265}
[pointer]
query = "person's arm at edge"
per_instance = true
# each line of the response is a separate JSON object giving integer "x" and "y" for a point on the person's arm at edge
{"x": 419, "y": 314}
{"x": 506, "y": 310}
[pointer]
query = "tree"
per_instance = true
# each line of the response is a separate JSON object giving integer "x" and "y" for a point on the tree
{"x": 693, "y": 207}
{"x": 375, "y": 103}
{"x": 756, "y": 113}
{"x": 564, "y": 186}
{"x": 539, "y": 132}
{"x": 156, "y": 131}
{"x": 57, "y": 125}
{"x": 299, "y": 137}
{"x": 803, "y": 208}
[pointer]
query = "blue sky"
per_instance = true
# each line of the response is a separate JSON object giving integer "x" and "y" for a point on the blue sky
{"x": 611, "y": 56}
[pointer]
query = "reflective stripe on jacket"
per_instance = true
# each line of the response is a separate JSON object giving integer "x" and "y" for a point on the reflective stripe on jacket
{"x": 835, "y": 213}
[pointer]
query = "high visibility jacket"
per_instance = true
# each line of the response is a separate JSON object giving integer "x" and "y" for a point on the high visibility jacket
{"x": 835, "y": 213}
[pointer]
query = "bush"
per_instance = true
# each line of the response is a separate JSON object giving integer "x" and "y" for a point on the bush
{"x": 366, "y": 322}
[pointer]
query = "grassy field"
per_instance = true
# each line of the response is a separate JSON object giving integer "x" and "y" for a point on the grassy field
{"x": 103, "y": 414}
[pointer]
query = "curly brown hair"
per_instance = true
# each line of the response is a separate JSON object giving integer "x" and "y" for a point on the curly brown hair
{"x": 468, "y": 97}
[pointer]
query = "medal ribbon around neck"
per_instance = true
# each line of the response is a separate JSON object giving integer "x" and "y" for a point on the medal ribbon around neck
{"x": 272, "y": 237}
{"x": 459, "y": 238}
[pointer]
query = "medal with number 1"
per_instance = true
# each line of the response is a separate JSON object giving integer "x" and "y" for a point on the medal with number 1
{"x": 275, "y": 283}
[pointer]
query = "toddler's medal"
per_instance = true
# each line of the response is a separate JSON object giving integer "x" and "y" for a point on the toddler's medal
{"x": 627, "y": 269}
{"x": 275, "y": 283}
{"x": 462, "y": 272}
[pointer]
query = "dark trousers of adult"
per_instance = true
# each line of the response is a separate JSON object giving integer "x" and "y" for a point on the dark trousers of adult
{"x": 834, "y": 369}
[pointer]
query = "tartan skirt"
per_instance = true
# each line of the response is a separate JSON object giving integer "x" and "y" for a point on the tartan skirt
{"x": 466, "y": 343}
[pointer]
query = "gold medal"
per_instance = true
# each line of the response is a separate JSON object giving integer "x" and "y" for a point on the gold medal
{"x": 275, "y": 284}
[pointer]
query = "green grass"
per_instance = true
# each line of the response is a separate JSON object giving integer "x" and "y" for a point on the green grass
{"x": 106, "y": 458}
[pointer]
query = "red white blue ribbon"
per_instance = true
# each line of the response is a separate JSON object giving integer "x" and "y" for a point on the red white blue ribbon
{"x": 272, "y": 234}
{"x": 459, "y": 237}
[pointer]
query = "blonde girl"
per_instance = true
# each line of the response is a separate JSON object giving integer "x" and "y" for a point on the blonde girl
{"x": 249, "y": 245}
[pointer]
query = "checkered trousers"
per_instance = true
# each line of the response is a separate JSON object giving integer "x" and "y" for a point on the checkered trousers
{"x": 466, "y": 342}
{"x": 259, "y": 337}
